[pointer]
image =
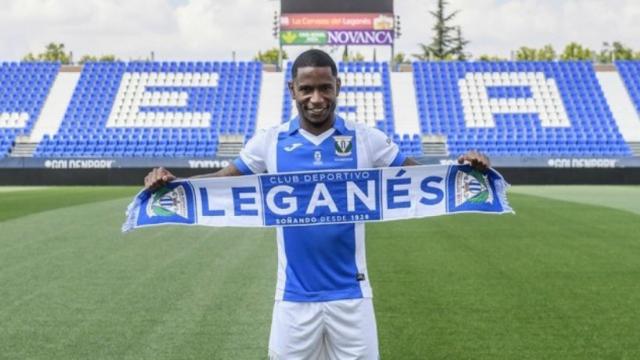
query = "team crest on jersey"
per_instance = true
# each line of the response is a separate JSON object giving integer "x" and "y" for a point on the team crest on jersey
{"x": 472, "y": 187}
{"x": 317, "y": 158}
{"x": 343, "y": 145}
{"x": 168, "y": 202}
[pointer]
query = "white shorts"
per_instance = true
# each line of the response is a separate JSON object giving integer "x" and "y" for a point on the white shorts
{"x": 340, "y": 330}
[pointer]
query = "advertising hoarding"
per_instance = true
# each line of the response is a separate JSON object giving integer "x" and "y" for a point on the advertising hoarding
{"x": 337, "y": 37}
{"x": 325, "y": 21}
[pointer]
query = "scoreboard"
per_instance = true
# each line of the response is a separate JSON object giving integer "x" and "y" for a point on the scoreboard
{"x": 337, "y": 22}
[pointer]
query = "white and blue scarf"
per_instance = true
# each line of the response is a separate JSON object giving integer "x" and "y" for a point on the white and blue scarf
{"x": 321, "y": 197}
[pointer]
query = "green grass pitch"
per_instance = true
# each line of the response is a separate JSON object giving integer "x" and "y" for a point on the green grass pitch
{"x": 559, "y": 280}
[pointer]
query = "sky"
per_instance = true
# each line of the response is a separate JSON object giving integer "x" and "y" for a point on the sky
{"x": 216, "y": 29}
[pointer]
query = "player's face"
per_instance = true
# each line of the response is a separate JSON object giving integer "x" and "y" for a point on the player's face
{"x": 315, "y": 91}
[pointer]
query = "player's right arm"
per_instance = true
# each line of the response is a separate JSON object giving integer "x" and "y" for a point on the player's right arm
{"x": 251, "y": 161}
{"x": 158, "y": 177}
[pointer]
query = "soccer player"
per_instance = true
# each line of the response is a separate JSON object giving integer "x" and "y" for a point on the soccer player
{"x": 323, "y": 307}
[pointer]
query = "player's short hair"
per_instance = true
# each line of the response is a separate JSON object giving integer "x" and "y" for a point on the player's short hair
{"x": 313, "y": 58}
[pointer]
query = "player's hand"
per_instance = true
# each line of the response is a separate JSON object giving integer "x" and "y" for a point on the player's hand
{"x": 476, "y": 159}
{"x": 157, "y": 178}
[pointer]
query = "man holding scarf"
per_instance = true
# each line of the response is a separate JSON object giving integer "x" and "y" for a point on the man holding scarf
{"x": 323, "y": 307}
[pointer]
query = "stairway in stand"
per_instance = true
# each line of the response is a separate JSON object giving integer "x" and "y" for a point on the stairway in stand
{"x": 23, "y": 147}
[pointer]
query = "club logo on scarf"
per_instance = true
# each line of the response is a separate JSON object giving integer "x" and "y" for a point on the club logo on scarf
{"x": 168, "y": 202}
{"x": 343, "y": 145}
{"x": 473, "y": 188}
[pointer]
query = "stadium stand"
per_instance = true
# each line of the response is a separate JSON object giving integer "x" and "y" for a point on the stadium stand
{"x": 186, "y": 109}
{"x": 630, "y": 73}
{"x": 517, "y": 108}
{"x": 23, "y": 92}
{"x": 156, "y": 109}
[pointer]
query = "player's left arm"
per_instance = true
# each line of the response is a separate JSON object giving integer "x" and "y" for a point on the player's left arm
{"x": 409, "y": 161}
{"x": 477, "y": 160}
{"x": 385, "y": 152}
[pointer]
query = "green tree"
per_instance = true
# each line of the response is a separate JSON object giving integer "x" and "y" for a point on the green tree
{"x": 575, "y": 51}
{"x": 605, "y": 56}
{"x": 447, "y": 42}
{"x": 526, "y": 54}
{"x": 547, "y": 53}
{"x": 270, "y": 56}
{"x": 491, "y": 58}
{"x": 425, "y": 53}
{"x": 92, "y": 58}
{"x": 53, "y": 52}
{"x": 460, "y": 43}
{"x": 348, "y": 56}
{"x": 621, "y": 52}
{"x": 616, "y": 51}
{"x": 400, "y": 58}
{"x": 356, "y": 57}
{"x": 30, "y": 57}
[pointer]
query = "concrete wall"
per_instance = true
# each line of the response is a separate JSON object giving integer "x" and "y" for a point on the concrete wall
{"x": 123, "y": 176}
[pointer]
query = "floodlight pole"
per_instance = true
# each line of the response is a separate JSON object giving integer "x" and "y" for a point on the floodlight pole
{"x": 396, "y": 35}
{"x": 278, "y": 36}
{"x": 393, "y": 65}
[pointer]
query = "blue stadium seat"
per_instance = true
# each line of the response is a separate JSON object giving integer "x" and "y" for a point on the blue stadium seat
{"x": 85, "y": 124}
{"x": 23, "y": 90}
{"x": 442, "y": 103}
{"x": 630, "y": 73}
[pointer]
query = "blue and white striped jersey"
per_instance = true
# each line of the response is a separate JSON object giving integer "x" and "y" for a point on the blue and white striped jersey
{"x": 320, "y": 262}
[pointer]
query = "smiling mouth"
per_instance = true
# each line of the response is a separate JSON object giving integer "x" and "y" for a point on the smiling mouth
{"x": 316, "y": 112}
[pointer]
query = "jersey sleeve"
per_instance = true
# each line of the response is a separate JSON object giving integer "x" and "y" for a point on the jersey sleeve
{"x": 384, "y": 152}
{"x": 252, "y": 159}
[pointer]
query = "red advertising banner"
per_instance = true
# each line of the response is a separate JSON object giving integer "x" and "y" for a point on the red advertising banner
{"x": 336, "y": 21}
